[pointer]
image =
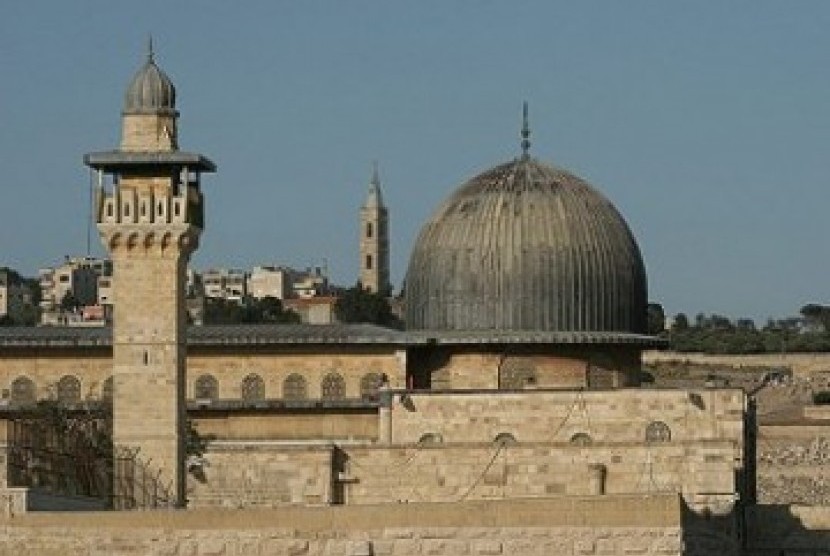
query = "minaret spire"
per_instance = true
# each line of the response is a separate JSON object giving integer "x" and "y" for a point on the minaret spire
{"x": 150, "y": 53}
{"x": 375, "y": 174}
{"x": 525, "y": 133}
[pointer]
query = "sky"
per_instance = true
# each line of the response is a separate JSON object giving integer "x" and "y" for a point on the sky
{"x": 706, "y": 123}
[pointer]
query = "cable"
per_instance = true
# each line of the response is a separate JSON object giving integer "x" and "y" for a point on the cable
{"x": 482, "y": 474}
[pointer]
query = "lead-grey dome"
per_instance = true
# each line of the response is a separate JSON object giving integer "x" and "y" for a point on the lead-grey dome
{"x": 526, "y": 247}
{"x": 150, "y": 91}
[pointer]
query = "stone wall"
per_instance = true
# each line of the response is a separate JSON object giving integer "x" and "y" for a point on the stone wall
{"x": 294, "y": 425}
{"x": 491, "y": 367}
{"x": 268, "y": 475}
{"x": 453, "y": 473}
{"x": 557, "y": 526}
{"x": 800, "y": 363}
{"x": 556, "y": 416}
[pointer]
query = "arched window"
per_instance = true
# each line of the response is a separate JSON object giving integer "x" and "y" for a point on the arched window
{"x": 368, "y": 262}
{"x": 658, "y": 431}
{"x": 333, "y": 387}
{"x": 504, "y": 439}
{"x": 106, "y": 389}
{"x": 581, "y": 439}
{"x": 369, "y": 385}
{"x": 206, "y": 387}
{"x": 23, "y": 390}
{"x": 431, "y": 439}
{"x": 253, "y": 388}
{"x": 69, "y": 389}
{"x": 369, "y": 230}
{"x": 294, "y": 387}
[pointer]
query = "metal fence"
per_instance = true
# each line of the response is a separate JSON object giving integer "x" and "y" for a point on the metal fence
{"x": 73, "y": 455}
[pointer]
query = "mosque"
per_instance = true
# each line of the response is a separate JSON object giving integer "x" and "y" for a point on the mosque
{"x": 517, "y": 376}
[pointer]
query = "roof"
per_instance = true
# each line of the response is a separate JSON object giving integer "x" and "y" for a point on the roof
{"x": 312, "y": 334}
{"x": 212, "y": 335}
{"x": 526, "y": 247}
{"x": 108, "y": 160}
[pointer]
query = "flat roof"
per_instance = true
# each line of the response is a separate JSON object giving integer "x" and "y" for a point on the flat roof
{"x": 317, "y": 334}
{"x": 110, "y": 160}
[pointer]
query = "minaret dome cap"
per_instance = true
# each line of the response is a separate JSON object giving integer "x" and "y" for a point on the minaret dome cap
{"x": 150, "y": 91}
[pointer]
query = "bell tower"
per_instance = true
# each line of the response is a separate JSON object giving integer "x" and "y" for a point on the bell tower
{"x": 374, "y": 239}
{"x": 150, "y": 215}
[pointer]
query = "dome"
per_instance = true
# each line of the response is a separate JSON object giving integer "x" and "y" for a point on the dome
{"x": 150, "y": 91}
{"x": 526, "y": 247}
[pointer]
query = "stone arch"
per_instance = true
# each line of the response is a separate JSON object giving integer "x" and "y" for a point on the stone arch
{"x": 252, "y": 388}
{"x": 132, "y": 240}
{"x": 658, "y": 431}
{"x": 115, "y": 240}
{"x": 23, "y": 390}
{"x": 295, "y": 387}
{"x": 166, "y": 240}
{"x": 206, "y": 387}
{"x": 582, "y": 439}
{"x": 69, "y": 389}
{"x": 369, "y": 385}
{"x": 333, "y": 387}
{"x": 107, "y": 389}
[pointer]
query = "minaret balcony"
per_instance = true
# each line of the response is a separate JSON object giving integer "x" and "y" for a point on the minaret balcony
{"x": 129, "y": 207}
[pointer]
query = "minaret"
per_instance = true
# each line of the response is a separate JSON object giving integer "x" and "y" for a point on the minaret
{"x": 150, "y": 215}
{"x": 374, "y": 239}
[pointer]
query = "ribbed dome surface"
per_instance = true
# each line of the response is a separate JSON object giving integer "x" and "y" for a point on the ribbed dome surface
{"x": 150, "y": 91}
{"x": 526, "y": 247}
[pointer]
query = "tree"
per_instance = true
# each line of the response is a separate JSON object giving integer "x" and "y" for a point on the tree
{"x": 358, "y": 305}
{"x": 250, "y": 311}
{"x": 69, "y": 302}
{"x": 681, "y": 322}
{"x": 656, "y": 319}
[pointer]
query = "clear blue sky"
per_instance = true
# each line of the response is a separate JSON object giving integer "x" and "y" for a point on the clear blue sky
{"x": 707, "y": 124}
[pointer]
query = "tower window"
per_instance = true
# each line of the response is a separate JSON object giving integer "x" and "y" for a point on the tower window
{"x": 368, "y": 262}
{"x": 369, "y": 229}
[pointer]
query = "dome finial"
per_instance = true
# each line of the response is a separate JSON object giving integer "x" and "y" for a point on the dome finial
{"x": 525, "y": 132}
{"x": 150, "y": 47}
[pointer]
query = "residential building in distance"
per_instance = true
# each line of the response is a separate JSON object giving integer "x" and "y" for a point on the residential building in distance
{"x": 229, "y": 284}
{"x": 15, "y": 296}
{"x": 313, "y": 310}
{"x": 76, "y": 281}
{"x": 271, "y": 281}
{"x": 311, "y": 283}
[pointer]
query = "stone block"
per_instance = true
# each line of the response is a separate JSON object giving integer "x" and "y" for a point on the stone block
{"x": 445, "y": 547}
{"x": 486, "y": 547}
